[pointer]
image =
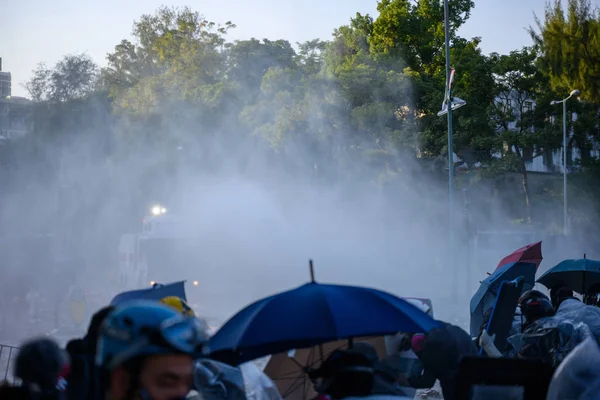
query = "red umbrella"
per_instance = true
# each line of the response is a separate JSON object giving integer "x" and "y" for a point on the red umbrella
{"x": 532, "y": 253}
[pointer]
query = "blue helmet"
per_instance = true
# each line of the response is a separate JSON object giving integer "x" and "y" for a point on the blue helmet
{"x": 146, "y": 328}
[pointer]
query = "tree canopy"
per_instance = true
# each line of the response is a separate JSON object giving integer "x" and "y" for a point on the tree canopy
{"x": 361, "y": 106}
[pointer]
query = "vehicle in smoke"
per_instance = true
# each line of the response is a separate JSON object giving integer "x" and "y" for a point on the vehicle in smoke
{"x": 190, "y": 247}
{"x": 161, "y": 252}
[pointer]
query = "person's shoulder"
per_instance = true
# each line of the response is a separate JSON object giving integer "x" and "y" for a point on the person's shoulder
{"x": 76, "y": 346}
{"x": 570, "y": 304}
{"x": 455, "y": 330}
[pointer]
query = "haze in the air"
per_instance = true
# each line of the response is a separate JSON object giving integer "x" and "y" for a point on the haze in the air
{"x": 261, "y": 175}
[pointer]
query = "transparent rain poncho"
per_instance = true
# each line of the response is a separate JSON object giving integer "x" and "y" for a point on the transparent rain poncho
{"x": 550, "y": 339}
{"x": 217, "y": 381}
{"x": 578, "y": 377}
{"x": 576, "y": 311}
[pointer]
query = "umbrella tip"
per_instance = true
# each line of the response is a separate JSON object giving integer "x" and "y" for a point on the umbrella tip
{"x": 312, "y": 270}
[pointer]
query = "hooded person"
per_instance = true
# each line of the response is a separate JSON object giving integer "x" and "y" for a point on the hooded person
{"x": 386, "y": 372}
{"x": 345, "y": 373}
{"x": 441, "y": 351}
{"x": 554, "y": 295}
{"x": 85, "y": 381}
{"x": 565, "y": 299}
{"x": 572, "y": 309}
{"x": 578, "y": 377}
{"x": 534, "y": 305}
{"x": 349, "y": 374}
{"x": 42, "y": 367}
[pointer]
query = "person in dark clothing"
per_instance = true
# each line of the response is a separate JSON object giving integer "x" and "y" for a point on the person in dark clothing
{"x": 545, "y": 337}
{"x": 560, "y": 293}
{"x": 42, "y": 367}
{"x": 441, "y": 351}
{"x": 345, "y": 373}
{"x": 534, "y": 305}
{"x": 385, "y": 370}
{"x": 553, "y": 298}
{"x": 85, "y": 381}
{"x": 592, "y": 296}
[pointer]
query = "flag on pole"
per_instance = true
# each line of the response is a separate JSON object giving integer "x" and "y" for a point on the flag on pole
{"x": 447, "y": 91}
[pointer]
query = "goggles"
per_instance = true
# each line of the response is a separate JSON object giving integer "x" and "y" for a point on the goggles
{"x": 179, "y": 334}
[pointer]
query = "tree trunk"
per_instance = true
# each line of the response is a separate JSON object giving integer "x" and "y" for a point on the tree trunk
{"x": 525, "y": 182}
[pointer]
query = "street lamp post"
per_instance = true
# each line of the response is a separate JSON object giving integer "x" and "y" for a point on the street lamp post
{"x": 450, "y": 104}
{"x": 564, "y": 103}
{"x": 450, "y": 147}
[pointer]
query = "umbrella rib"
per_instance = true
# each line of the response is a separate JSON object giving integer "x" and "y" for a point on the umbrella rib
{"x": 298, "y": 382}
{"x": 330, "y": 312}
{"x": 297, "y": 363}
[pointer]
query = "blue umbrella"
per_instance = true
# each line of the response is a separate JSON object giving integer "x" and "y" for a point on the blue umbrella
{"x": 580, "y": 275}
{"x": 485, "y": 296}
{"x": 310, "y": 315}
{"x": 156, "y": 292}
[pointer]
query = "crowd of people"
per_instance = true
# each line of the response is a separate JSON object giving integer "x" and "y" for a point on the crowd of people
{"x": 153, "y": 350}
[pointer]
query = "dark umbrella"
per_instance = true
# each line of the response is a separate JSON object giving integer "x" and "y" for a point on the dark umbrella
{"x": 532, "y": 253}
{"x": 580, "y": 275}
{"x": 156, "y": 292}
{"x": 310, "y": 315}
{"x": 485, "y": 296}
{"x": 290, "y": 370}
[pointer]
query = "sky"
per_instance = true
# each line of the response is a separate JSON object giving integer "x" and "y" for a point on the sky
{"x": 35, "y": 31}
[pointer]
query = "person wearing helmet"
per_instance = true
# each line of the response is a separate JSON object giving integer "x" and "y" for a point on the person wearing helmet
{"x": 147, "y": 350}
{"x": 534, "y": 305}
{"x": 545, "y": 336}
{"x": 179, "y": 304}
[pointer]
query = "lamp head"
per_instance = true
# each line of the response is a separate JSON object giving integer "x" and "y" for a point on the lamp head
{"x": 456, "y": 103}
{"x": 575, "y": 93}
